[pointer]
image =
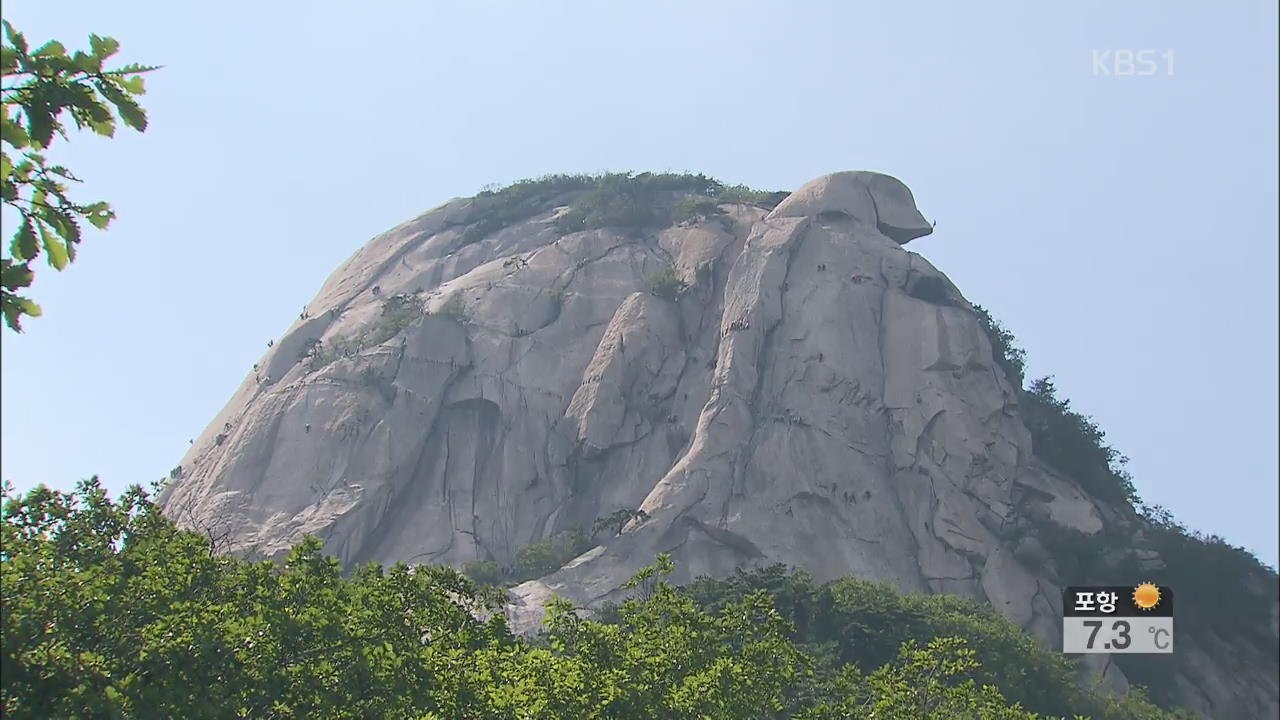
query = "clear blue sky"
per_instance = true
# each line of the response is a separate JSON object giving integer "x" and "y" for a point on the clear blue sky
{"x": 1124, "y": 228}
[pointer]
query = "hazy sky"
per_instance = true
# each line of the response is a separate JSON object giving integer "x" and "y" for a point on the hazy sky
{"x": 1123, "y": 227}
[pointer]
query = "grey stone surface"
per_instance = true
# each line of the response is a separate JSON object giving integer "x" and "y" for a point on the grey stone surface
{"x": 799, "y": 404}
{"x": 868, "y": 197}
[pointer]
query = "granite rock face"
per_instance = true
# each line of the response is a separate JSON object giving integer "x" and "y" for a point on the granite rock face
{"x": 818, "y": 396}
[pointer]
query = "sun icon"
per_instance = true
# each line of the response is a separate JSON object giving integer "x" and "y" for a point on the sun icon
{"x": 1146, "y": 596}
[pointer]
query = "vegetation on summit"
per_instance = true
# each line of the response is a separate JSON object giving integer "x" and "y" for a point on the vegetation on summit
{"x": 627, "y": 200}
{"x": 1198, "y": 566}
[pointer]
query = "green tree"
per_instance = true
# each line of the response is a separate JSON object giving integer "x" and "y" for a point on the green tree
{"x": 1004, "y": 348}
{"x": 665, "y": 283}
{"x": 39, "y": 87}
{"x": 921, "y": 684}
{"x": 109, "y": 610}
{"x": 1199, "y": 565}
{"x": 483, "y": 572}
{"x": 617, "y": 520}
{"x": 538, "y": 559}
{"x": 851, "y": 623}
{"x": 667, "y": 659}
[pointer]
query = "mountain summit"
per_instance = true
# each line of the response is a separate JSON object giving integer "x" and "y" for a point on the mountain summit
{"x": 737, "y": 378}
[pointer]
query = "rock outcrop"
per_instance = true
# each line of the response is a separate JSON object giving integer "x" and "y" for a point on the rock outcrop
{"x": 817, "y": 395}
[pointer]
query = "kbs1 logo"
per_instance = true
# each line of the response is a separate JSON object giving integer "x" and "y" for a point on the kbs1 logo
{"x": 1120, "y": 619}
{"x": 1132, "y": 63}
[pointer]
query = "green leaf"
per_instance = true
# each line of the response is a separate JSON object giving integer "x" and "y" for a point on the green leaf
{"x": 53, "y": 48}
{"x": 57, "y": 250}
{"x": 8, "y": 60}
{"x": 24, "y": 245}
{"x": 85, "y": 63}
{"x": 11, "y": 132}
{"x": 133, "y": 69}
{"x": 70, "y": 229}
{"x": 15, "y": 37}
{"x": 15, "y": 275}
{"x": 134, "y": 85}
{"x": 132, "y": 115}
{"x": 79, "y": 96}
{"x": 11, "y": 312}
{"x": 61, "y": 171}
{"x": 103, "y": 47}
{"x": 40, "y": 124}
{"x": 63, "y": 224}
{"x": 106, "y": 127}
{"x": 6, "y": 166}
{"x": 21, "y": 173}
{"x": 99, "y": 214}
{"x": 15, "y": 307}
{"x": 99, "y": 112}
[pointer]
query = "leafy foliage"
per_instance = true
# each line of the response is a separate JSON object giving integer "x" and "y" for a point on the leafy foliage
{"x": 483, "y": 572}
{"x": 1205, "y": 564}
{"x": 42, "y": 85}
{"x": 617, "y": 520}
{"x": 666, "y": 659}
{"x": 665, "y": 283}
{"x": 1198, "y": 566}
{"x": 539, "y": 559}
{"x": 851, "y": 627}
{"x": 853, "y": 622}
{"x": 627, "y": 200}
{"x": 1063, "y": 438}
{"x": 743, "y": 195}
{"x": 922, "y": 684}
{"x": 550, "y": 554}
{"x": 109, "y": 610}
{"x": 1011, "y": 358}
{"x": 531, "y": 561}
{"x": 1073, "y": 444}
{"x": 611, "y": 200}
{"x": 519, "y": 201}
{"x": 398, "y": 312}
{"x": 695, "y": 207}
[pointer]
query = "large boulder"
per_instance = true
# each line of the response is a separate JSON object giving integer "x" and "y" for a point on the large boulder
{"x": 881, "y": 201}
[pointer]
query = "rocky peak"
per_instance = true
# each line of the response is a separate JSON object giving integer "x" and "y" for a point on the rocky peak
{"x": 880, "y": 201}
{"x": 766, "y": 378}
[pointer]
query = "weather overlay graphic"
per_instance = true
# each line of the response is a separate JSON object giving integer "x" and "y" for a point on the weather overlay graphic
{"x": 1135, "y": 619}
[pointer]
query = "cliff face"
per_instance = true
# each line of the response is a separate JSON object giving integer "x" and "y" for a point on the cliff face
{"x": 817, "y": 395}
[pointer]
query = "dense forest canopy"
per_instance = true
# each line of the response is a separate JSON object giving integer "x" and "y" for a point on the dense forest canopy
{"x": 111, "y": 611}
